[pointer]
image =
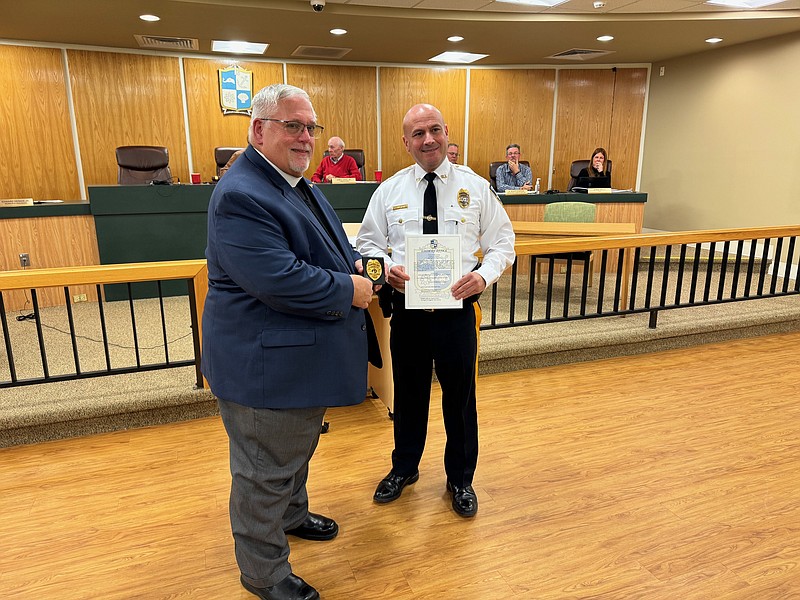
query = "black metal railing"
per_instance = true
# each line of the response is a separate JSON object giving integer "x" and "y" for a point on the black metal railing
{"x": 93, "y": 339}
{"x": 643, "y": 274}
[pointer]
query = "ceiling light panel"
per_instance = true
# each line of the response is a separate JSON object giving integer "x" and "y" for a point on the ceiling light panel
{"x": 539, "y": 3}
{"x": 751, "y": 4}
{"x": 237, "y": 47}
{"x": 460, "y": 58}
{"x": 450, "y": 4}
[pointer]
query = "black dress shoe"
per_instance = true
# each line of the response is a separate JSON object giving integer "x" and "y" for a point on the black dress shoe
{"x": 316, "y": 528}
{"x": 465, "y": 502}
{"x": 392, "y": 485}
{"x": 291, "y": 587}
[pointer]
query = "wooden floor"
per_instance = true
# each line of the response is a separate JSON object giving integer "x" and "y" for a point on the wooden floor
{"x": 661, "y": 476}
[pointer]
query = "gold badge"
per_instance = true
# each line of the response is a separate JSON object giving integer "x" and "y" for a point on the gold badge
{"x": 463, "y": 198}
{"x": 399, "y": 206}
{"x": 374, "y": 270}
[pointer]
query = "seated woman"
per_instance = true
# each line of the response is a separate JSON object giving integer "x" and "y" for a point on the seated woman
{"x": 597, "y": 167}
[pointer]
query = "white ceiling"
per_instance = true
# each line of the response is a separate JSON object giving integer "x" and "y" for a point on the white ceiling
{"x": 409, "y": 31}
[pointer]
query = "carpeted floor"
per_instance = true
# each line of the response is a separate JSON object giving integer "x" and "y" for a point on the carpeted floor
{"x": 589, "y": 339}
{"x": 33, "y": 413}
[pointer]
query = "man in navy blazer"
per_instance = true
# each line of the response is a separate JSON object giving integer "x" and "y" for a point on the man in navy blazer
{"x": 284, "y": 334}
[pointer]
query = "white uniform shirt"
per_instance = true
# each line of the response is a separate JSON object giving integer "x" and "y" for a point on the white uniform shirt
{"x": 396, "y": 209}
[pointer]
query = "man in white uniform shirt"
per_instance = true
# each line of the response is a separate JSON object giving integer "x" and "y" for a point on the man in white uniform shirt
{"x": 446, "y": 339}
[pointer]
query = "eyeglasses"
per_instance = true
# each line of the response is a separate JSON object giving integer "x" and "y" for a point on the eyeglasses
{"x": 296, "y": 127}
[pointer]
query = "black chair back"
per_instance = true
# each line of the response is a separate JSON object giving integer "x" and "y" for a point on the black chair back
{"x": 577, "y": 166}
{"x": 222, "y": 154}
{"x": 142, "y": 165}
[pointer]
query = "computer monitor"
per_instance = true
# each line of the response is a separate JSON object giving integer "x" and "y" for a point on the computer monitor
{"x": 594, "y": 182}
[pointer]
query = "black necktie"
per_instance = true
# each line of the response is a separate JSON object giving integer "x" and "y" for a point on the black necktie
{"x": 308, "y": 197}
{"x": 429, "y": 222}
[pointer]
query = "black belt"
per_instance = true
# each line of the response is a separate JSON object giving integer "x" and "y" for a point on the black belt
{"x": 399, "y": 297}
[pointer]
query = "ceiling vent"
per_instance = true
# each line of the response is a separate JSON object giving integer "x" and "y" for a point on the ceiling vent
{"x": 580, "y": 54}
{"x": 156, "y": 42}
{"x": 322, "y": 52}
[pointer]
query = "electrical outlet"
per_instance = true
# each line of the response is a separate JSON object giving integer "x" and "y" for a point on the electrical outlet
{"x": 24, "y": 260}
{"x": 79, "y": 298}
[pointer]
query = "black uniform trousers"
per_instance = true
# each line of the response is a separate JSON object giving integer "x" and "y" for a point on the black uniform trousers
{"x": 446, "y": 339}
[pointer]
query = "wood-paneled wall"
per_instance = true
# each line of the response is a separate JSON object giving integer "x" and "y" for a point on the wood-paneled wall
{"x": 595, "y": 107}
{"x": 126, "y": 99}
{"x": 513, "y": 106}
{"x": 583, "y": 118}
{"x": 402, "y": 88}
{"x": 345, "y": 99}
{"x": 51, "y": 242}
{"x": 208, "y": 127}
{"x": 626, "y": 126}
{"x": 35, "y": 134}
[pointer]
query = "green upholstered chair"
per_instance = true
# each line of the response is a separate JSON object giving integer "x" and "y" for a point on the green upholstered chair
{"x": 568, "y": 212}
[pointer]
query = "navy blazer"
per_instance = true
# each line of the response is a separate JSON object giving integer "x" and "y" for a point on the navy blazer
{"x": 279, "y": 330}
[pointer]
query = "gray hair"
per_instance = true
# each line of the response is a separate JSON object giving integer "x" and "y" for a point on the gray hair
{"x": 265, "y": 102}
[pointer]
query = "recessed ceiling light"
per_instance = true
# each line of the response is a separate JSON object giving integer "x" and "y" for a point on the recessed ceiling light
{"x": 151, "y": 18}
{"x": 714, "y": 40}
{"x": 238, "y": 47}
{"x": 455, "y": 38}
{"x": 744, "y": 3}
{"x": 463, "y": 58}
{"x": 547, "y": 3}
{"x": 605, "y": 38}
{"x": 338, "y": 31}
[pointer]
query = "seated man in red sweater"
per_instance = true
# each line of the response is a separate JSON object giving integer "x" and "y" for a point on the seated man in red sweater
{"x": 336, "y": 164}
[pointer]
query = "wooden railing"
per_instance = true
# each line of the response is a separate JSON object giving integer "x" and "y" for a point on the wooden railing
{"x": 645, "y": 273}
{"x": 193, "y": 271}
{"x": 633, "y": 274}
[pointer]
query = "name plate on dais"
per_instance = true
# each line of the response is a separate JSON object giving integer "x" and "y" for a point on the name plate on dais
{"x": 16, "y": 202}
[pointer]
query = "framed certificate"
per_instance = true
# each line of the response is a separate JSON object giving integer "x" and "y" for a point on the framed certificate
{"x": 434, "y": 264}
